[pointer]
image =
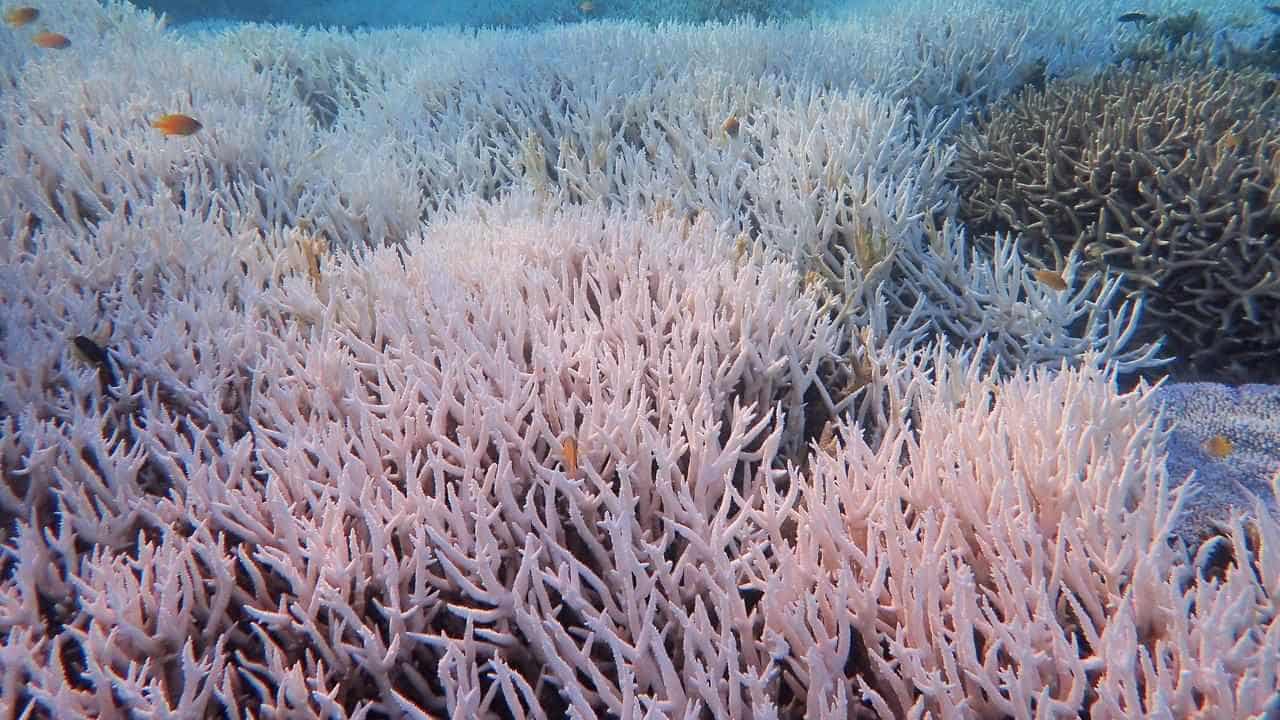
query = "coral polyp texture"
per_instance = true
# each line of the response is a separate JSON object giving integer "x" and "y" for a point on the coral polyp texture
{"x": 1166, "y": 175}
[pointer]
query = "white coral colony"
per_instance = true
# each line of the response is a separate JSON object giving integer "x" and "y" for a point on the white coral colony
{"x": 597, "y": 369}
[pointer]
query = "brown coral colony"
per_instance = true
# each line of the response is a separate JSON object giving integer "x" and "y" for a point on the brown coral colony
{"x": 1166, "y": 175}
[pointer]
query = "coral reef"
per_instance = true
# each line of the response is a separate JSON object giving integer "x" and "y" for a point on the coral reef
{"x": 342, "y": 484}
{"x": 1165, "y": 175}
{"x": 509, "y": 13}
{"x": 367, "y": 145}
{"x": 1035, "y": 508}
{"x": 1230, "y": 438}
{"x": 328, "y": 485}
{"x": 343, "y": 488}
{"x": 592, "y": 370}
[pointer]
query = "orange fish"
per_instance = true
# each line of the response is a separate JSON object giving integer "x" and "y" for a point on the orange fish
{"x": 731, "y": 125}
{"x": 1051, "y": 278}
{"x": 1219, "y": 446}
{"x": 19, "y": 16}
{"x": 569, "y": 450}
{"x": 51, "y": 40}
{"x": 176, "y": 124}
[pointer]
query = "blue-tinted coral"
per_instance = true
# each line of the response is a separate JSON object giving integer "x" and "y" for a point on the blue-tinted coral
{"x": 1230, "y": 437}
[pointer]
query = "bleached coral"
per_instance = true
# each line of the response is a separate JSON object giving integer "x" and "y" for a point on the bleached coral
{"x": 381, "y": 481}
{"x": 995, "y": 302}
{"x": 829, "y": 164}
{"x": 372, "y": 509}
{"x": 351, "y": 439}
{"x": 1005, "y": 554}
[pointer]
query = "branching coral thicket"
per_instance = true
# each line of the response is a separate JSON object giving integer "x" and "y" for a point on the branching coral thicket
{"x": 375, "y": 509}
{"x": 78, "y": 146}
{"x": 334, "y": 485}
{"x": 471, "y": 374}
{"x": 503, "y": 13}
{"x": 835, "y": 160}
{"x": 992, "y": 303}
{"x": 330, "y": 485}
{"x": 1165, "y": 175}
{"x": 1005, "y": 556}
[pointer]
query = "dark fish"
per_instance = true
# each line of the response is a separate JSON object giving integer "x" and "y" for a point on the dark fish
{"x": 90, "y": 350}
{"x": 96, "y": 355}
{"x": 1272, "y": 8}
{"x": 1134, "y": 17}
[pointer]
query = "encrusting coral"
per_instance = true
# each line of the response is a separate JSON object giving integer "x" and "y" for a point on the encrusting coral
{"x": 1166, "y": 175}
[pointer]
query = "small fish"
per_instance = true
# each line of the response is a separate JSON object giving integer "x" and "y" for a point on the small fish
{"x": 96, "y": 355}
{"x": 741, "y": 246}
{"x": 176, "y": 124}
{"x": 731, "y": 125}
{"x": 812, "y": 281}
{"x": 1051, "y": 278}
{"x": 19, "y": 16}
{"x": 51, "y": 40}
{"x": 90, "y": 351}
{"x": 569, "y": 451}
{"x": 1134, "y": 17}
{"x": 1219, "y": 446}
{"x": 1231, "y": 140}
{"x": 586, "y": 7}
{"x": 1272, "y": 8}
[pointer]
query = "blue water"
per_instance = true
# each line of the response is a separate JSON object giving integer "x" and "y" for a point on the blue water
{"x": 355, "y": 15}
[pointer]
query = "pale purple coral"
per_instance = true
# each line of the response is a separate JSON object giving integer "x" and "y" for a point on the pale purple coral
{"x": 1248, "y": 416}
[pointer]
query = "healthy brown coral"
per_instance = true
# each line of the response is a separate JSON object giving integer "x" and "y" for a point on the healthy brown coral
{"x": 1164, "y": 174}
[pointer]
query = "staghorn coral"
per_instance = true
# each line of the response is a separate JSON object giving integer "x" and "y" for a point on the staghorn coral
{"x": 356, "y": 502}
{"x": 1014, "y": 530}
{"x": 508, "y": 13}
{"x": 992, "y": 301}
{"x": 369, "y": 511}
{"x": 1166, "y": 175}
{"x": 328, "y": 476}
{"x": 838, "y": 161}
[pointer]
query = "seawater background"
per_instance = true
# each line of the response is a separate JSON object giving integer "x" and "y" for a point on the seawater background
{"x": 363, "y": 14}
